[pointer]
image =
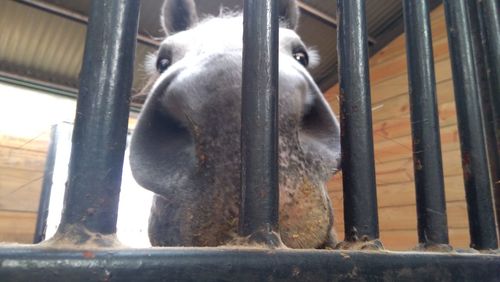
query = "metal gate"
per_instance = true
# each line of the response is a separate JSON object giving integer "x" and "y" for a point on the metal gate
{"x": 84, "y": 249}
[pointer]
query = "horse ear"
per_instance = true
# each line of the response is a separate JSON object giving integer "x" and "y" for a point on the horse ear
{"x": 289, "y": 13}
{"x": 178, "y": 15}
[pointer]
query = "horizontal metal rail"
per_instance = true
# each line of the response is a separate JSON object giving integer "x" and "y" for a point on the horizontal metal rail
{"x": 219, "y": 264}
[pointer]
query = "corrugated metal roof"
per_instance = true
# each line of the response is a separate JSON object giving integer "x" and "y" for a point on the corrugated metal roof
{"x": 45, "y": 46}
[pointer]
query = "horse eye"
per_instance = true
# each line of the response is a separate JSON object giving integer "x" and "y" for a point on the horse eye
{"x": 302, "y": 58}
{"x": 162, "y": 64}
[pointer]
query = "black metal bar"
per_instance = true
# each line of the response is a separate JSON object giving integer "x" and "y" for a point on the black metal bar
{"x": 360, "y": 197}
{"x": 99, "y": 134}
{"x": 472, "y": 141}
{"x": 482, "y": 82}
{"x": 259, "y": 121}
{"x": 490, "y": 9}
{"x": 480, "y": 49}
{"x": 427, "y": 161}
{"x": 489, "y": 14}
{"x": 43, "y": 206}
{"x": 219, "y": 264}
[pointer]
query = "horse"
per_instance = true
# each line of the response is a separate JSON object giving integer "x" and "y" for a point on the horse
{"x": 186, "y": 145}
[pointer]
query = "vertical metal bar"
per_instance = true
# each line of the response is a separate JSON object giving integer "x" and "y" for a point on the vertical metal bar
{"x": 482, "y": 81}
{"x": 259, "y": 120}
{"x": 427, "y": 161}
{"x": 489, "y": 14}
{"x": 490, "y": 11}
{"x": 43, "y": 206}
{"x": 360, "y": 197}
{"x": 485, "y": 91}
{"x": 99, "y": 135}
{"x": 472, "y": 141}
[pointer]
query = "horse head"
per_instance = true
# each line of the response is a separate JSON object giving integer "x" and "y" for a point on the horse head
{"x": 186, "y": 146}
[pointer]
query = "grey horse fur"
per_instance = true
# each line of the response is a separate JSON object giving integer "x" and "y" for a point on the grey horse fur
{"x": 186, "y": 146}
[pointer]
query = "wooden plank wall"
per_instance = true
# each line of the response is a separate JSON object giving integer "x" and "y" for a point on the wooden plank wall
{"x": 21, "y": 172}
{"x": 24, "y": 138}
{"x": 393, "y": 156}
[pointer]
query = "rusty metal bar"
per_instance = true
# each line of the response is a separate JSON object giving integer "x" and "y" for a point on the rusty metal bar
{"x": 220, "y": 264}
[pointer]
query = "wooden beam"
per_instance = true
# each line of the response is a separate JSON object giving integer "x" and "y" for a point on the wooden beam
{"x": 325, "y": 18}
